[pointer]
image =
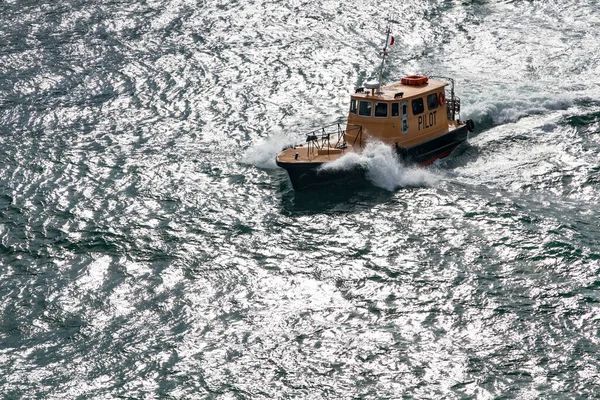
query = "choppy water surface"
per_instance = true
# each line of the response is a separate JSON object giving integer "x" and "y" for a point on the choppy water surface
{"x": 151, "y": 249}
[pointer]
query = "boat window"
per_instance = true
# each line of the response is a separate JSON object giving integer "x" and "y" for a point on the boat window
{"x": 381, "y": 110}
{"x": 417, "y": 106}
{"x": 432, "y": 101}
{"x": 395, "y": 110}
{"x": 353, "y": 106}
{"x": 365, "y": 108}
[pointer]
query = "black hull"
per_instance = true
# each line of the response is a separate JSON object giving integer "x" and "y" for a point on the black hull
{"x": 307, "y": 175}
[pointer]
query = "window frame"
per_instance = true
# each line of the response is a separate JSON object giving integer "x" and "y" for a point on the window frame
{"x": 397, "y": 104}
{"x": 375, "y": 109}
{"x": 437, "y": 102}
{"x": 360, "y": 108}
{"x": 414, "y": 103}
{"x": 354, "y": 102}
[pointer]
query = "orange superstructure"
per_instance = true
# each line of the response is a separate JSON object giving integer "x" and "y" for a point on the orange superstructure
{"x": 399, "y": 113}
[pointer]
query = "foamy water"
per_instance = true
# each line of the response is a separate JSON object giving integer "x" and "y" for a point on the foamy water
{"x": 144, "y": 255}
{"x": 384, "y": 169}
{"x": 263, "y": 153}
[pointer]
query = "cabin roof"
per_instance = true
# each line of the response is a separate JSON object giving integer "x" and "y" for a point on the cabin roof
{"x": 389, "y": 91}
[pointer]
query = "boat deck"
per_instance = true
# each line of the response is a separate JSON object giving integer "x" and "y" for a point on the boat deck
{"x": 312, "y": 155}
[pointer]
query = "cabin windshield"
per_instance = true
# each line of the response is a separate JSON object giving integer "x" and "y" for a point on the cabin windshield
{"x": 381, "y": 110}
{"x": 353, "y": 106}
{"x": 364, "y": 109}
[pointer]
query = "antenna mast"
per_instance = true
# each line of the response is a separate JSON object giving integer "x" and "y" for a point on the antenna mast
{"x": 387, "y": 41}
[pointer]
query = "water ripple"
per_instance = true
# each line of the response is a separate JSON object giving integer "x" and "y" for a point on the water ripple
{"x": 150, "y": 248}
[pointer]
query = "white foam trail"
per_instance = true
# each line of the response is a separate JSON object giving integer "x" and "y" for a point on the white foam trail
{"x": 384, "y": 169}
{"x": 262, "y": 154}
{"x": 500, "y": 109}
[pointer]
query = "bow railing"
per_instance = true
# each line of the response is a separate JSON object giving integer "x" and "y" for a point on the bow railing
{"x": 326, "y": 138}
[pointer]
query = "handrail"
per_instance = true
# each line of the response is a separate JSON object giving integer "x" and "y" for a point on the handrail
{"x": 453, "y": 105}
{"x": 317, "y": 139}
{"x": 360, "y": 131}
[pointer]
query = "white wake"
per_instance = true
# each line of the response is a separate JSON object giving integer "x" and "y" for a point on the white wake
{"x": 384, "y": 169}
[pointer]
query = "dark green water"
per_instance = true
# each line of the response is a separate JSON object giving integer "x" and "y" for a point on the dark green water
{"x": 149, "y": 247}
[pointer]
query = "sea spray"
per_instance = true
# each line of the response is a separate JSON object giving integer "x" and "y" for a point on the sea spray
{"x": 383, "y": 168}
{"x": 262, "y": 154}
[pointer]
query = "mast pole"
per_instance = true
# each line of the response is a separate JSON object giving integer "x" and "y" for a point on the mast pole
{"x": 387, "y": 40}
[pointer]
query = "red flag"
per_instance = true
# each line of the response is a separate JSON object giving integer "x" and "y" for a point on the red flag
{"x": 391, "y": 40}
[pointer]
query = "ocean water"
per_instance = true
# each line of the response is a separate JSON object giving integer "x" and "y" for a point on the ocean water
{"x": 150, "y": 248}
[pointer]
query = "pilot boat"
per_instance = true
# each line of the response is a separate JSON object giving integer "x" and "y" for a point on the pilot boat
{"x": 417, "y": 116}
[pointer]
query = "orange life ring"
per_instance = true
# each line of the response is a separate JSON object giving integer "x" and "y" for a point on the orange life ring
{"x": 414, "y": 80}
{"x": 442, "y": 98}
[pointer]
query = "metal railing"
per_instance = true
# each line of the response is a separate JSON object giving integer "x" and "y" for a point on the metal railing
{"x": 452, "y": 101}
{"x": 453, "y": 108}
{"x": 324, "y": 137}
{"x": 359, "y": 134}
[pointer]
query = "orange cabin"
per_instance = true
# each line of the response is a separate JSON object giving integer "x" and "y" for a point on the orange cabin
{"x": 406, "y": 114}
